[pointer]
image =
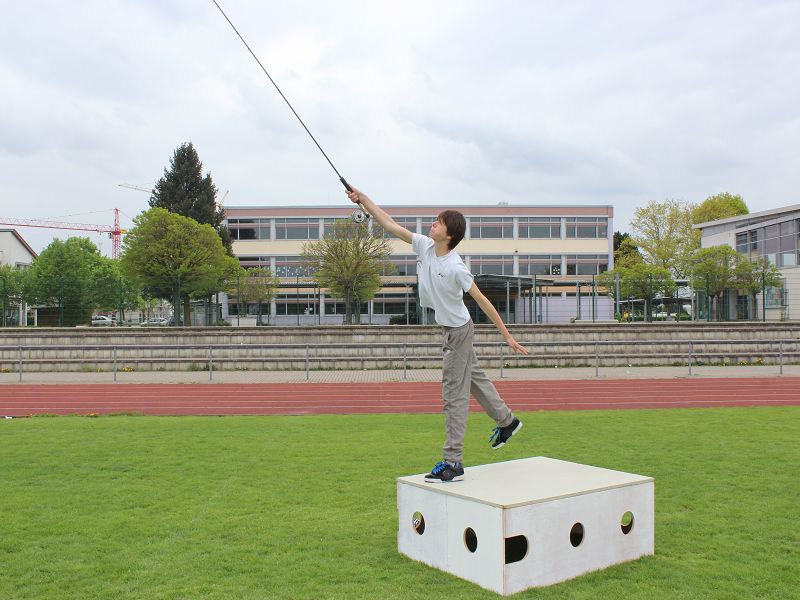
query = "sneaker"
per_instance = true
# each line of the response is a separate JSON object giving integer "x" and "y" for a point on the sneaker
{"x": 445, "y": 472}
{"x": 501, "y": 435}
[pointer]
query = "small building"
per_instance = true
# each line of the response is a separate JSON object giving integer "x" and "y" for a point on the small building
{"x": 771, "y": 234}
{"x": 16, "y": 253}
{"x": 14, "y": 250}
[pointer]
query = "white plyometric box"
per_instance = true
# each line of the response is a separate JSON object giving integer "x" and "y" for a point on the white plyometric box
{"x": 526, "y": 523}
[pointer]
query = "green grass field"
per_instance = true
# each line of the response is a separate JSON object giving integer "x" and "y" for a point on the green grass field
{"x": 305, "y": 507}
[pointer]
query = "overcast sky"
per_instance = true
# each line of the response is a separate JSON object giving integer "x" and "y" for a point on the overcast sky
{"x": 458, "y": 103}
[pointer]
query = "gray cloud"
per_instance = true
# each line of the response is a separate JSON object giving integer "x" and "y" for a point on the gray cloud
{"x": 463, "y": 102}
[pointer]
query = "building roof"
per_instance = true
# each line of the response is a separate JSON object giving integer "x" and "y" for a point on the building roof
{"x": 751, "y": 217}
{"x": 415, "y": 210}
{"x": 21, "y": 240}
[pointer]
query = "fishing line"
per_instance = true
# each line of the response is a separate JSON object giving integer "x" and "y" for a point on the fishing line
{"x": 358, "y": 215}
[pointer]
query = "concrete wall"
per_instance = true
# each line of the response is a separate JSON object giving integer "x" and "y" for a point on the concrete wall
{"x": 366, "y": 347}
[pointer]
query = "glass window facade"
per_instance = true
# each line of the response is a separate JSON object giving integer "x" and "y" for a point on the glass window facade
{"x": 778, "y": 243}
{"x": 539, "y": 227}
{"x": 290, "y": 266}
{"x": 406, "y": 264}
{"x": 296, "y": 229}
{"x": 587, "y": 227}
{"x": 539, "y": 264}
{"x": 492, "y": 264}
{"x": 409, "y": 223}
{"x": 586, "y": 264}
{"x": 329, "y": 224}
{"x": 249, "y": 229}
{"x": 491, "y": 227}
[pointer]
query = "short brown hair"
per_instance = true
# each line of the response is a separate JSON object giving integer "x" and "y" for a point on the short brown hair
{"x": 456, "y": 226}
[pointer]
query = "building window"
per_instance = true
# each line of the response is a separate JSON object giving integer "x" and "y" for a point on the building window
{"x": 249, "y": 229}
{"x": 296, "y": 229}
{"x": 389, "y": 304}
{"x": 409, "y": 223}
{"x": 742, "y": 242}
{"x": 406, "y": 265}
{"x": 587, "y": 227}
{"x": 587, "y": 264}
{"x": 290, "y": 266}
{"x": 540, "y": 227}
{"x": 491, "y": 228}
{"x": 788, "y": 244}
{"x": 492, "y": 264}
{"x": 251, "y": 262}
{"x": 328, "y": 225}
{"x": 755, "y": 241}
{"x": 334, "y": 308}
{"x": 539, "y": 264}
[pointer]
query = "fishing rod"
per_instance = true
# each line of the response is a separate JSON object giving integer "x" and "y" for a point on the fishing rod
{"x": 359, "y": 216}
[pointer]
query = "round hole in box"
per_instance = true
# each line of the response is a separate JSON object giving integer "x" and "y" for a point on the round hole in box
{"x": 418, "y": 522}
{"x": 470, "y": 539}
{"x": 576, "y": 535}
{"x": 626, "y": 523}
{"x": 516, "y": 548}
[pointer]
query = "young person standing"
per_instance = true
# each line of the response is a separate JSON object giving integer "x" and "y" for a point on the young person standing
{"x": 443, "y": 279}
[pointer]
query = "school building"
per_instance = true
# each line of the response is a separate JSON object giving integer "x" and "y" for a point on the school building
{"x": 535, "y": 263}
{"x": 771, "y": 234}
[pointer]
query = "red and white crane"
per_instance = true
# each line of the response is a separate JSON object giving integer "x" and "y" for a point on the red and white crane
{"x": 114, "y": 231}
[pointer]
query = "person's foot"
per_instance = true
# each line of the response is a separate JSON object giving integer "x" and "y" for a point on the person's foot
{"x": 445, "y": 472}
{"x": 501, "y": 435}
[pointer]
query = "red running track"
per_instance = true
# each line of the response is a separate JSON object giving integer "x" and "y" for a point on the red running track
{"x": 18, "y": 400}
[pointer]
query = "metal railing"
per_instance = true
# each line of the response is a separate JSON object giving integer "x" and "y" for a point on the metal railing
{"x": 385, "y": 355}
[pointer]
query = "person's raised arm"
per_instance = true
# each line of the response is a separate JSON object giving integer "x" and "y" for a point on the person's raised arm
{"x": 381, "y": 216}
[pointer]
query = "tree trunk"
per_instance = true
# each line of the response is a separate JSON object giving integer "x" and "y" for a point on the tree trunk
{"x": 348, "y": 306}
{"x": 187, "y": 312}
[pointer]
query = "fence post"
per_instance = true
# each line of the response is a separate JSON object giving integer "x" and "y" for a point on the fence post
{"x": 405, "y": 360}
{"x": 307, "y": 375}
{"x": 781, "y": 352}
{"x": 20, "y": 364}
{"x": 114, "y": 353}
{"x": 502, "y": 359}
{"x": 690, "y": 358}
{"x": 596, "y": 361}
{"x": 210, "y": 365}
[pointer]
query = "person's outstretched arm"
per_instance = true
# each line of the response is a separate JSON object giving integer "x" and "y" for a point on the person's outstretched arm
{"x": 492, "y": 313}
{"x": 381, "y": 216}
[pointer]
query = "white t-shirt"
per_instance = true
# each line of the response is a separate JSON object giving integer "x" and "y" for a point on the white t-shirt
{"x": 442, "y": 282}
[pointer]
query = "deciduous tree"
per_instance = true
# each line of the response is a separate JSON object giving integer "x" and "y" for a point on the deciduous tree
{"x": 350, "y": 261}
{"x": 173, "y": 256}
{"x": 663, "y": 232}
{"x": 719, "y": 206}
{"x": 73, "y": 276}
{"x": 257, "y": 285}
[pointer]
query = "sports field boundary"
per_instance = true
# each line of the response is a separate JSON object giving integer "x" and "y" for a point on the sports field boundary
{"x": 22, "y": 400}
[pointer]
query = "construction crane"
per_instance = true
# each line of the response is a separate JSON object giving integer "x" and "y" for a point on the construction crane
{"x": 140, "y": 188}
{"x": 150, "y": 191}
{"x": 114, "y": 231}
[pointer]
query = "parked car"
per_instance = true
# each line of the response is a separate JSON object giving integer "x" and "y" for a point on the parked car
{"x": 103, "y": 321}
{"x": 156, "y": 322}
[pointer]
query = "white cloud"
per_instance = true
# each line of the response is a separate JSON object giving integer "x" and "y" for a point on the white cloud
{"x": 463, "y": 102}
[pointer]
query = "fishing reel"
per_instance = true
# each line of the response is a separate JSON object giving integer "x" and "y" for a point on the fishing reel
{"x": 359, "y": 216}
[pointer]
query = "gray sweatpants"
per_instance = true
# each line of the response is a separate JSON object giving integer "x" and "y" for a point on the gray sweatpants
{"x": 461, "y": 376}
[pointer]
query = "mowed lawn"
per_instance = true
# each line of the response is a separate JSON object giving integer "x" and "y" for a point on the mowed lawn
{"x": 305, "y": 507}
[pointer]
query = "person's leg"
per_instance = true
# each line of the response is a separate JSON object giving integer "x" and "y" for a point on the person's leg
{"x": 491, "y": 402}
{"x": 455, "y": 391}
{"x": 479, "y": 384}
{"x": 486, "y": 394}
